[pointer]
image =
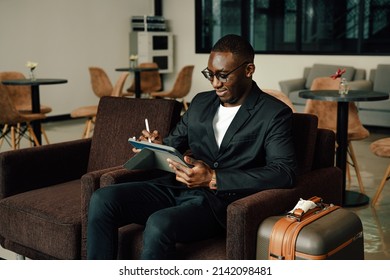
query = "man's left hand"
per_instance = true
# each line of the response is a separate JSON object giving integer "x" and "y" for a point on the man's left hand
{"x": 199, "y": 175}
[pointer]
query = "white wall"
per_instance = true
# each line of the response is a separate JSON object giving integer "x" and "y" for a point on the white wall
{"x": 67, "y": 36}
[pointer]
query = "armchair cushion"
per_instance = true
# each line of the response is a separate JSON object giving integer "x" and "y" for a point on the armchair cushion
{"x": 56, "y": 209}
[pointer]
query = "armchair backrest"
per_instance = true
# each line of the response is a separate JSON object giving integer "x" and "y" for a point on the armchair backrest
{"x": 305, "y": 138}
{"x": 314, "y": 147}
{"x": 324, "y": 154}
{"x": 120, "y": 118}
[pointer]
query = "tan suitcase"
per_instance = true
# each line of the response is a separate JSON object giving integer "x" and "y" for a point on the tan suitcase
{"x": 325, "y": 232}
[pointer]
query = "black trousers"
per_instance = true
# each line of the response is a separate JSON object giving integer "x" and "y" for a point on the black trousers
{"x": 170, "y": 215}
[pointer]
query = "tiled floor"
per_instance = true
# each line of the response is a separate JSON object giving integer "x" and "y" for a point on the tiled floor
{"x": 376, "y": 221}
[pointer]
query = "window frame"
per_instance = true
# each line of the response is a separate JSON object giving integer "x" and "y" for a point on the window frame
{"x": 245, "y": 23}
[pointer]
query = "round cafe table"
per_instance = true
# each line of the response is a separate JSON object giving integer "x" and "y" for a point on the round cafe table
{"x": 350, "y": 198}
{"x": 35, "y": 99}
{"x": 137, "y": 76}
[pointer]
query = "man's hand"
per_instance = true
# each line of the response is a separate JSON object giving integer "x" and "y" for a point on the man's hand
{"x": 146, "y": 135}
{"x": 199, "y": 175}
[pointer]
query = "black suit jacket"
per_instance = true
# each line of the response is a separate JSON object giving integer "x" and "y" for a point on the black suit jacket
{"x": 256, "y": 153}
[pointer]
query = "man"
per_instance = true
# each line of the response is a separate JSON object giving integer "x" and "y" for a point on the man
{"x": 240, "y": 143}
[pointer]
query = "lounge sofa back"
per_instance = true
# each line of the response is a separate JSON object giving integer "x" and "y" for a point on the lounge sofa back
{"x": 325, "y": 70}
{"x": 377, "y": 113}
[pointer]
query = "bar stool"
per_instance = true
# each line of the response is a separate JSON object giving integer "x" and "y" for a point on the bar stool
{"x": 381, "y": 148}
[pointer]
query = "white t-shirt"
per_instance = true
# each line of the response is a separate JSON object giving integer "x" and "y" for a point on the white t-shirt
{"x": 222, "y": 121}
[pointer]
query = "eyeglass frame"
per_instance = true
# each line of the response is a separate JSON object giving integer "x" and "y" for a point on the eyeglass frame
{"x": 206, "y": 73}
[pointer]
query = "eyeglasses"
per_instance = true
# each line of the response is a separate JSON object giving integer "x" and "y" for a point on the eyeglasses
{"x": 222, "y": 77}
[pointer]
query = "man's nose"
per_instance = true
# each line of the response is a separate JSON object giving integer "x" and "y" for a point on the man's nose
{"x": 216, "y": 82}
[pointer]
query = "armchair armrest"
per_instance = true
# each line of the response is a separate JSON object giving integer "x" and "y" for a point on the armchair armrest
{"x": 92, "y": 181}
{"x": 245, "y": 215}
{"x": 123, "y": 175}
{"x": 324, "y": 182}
{"x": 37, "y": 167}
{"x": 288, "y": 86}
{"x": 360, "y": 85}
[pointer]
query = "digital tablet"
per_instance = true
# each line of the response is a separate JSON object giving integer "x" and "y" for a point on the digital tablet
{"x": 162, "y": 152}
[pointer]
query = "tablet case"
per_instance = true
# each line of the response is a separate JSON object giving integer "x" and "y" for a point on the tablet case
{"x": 153, "y": 156}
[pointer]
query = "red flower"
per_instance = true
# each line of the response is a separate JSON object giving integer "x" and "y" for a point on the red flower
{"x": 338, "y": 74}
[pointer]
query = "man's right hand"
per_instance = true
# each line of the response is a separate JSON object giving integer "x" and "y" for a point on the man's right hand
{"x": 146, "y": 135}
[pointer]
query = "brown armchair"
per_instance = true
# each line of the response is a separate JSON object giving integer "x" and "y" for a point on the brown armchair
{"x": 40, "y": 187}
{"x": 316, "y": 176}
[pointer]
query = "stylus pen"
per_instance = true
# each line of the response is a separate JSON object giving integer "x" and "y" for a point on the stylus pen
{"x": 147, "y": 129}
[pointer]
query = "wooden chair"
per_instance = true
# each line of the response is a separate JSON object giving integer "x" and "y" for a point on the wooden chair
{"x": 181, "y": 87}
{"x": 381, "y": 148}
{"x": 150, "y": 80}
{"x": 281, "y": 96}
{"x": 101, "y": 86}
{"x": 21, "y": 95}
{"x": 327, "y": 118}
{"x": 16, "y": 124}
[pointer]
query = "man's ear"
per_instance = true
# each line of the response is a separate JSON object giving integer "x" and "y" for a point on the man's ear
{"x": 250, "y": 69}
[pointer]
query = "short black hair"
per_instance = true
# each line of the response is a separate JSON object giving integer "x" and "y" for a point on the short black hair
{"x": 235, "y": 44}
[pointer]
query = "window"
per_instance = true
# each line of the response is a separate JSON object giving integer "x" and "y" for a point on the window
{"x": 297, "y": 26}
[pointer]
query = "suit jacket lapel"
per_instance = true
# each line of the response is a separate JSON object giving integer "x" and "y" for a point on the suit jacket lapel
{"x": 209, "y": 128}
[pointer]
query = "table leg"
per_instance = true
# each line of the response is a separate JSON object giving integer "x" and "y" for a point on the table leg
{"x": 36, "y": 108}
{"x": 350, "y": 198}
{"x": 137, "y": 78}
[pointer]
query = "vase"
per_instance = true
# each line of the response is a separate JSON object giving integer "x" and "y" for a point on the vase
{"x": 343, "y": 87}
{"x": 133, "y": 64}
{"x": 32, "y": 75}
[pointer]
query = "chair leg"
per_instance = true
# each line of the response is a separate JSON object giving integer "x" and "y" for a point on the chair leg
{"x": 30, "y": 137}
{"x": 381, "y": 186}
{"x": 3, "y": 133}
{"x": 43, "y": 131}
{"x": 185, "y": 105}
{"x": 348, "y": 171}
{"x": 19, "y": 135}
{"x": 356, "y": 166}
{"x": 34, "y": 137}
{"x": 13, "y": 143}
{"x": 87, "y": 128}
